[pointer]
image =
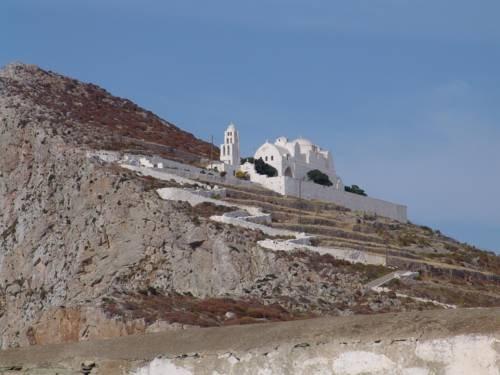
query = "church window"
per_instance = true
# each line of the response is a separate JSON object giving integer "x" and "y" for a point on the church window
{"x": 272, "y": 157}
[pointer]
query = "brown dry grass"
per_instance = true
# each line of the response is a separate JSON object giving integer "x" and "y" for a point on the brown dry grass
{"x": 185, "y": 309}
{"x": 85, "y": 113}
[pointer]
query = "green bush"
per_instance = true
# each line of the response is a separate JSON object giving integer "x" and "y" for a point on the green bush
{"x": 355, "y": 189}
{"x": 261, "y": 167}
{"x": 319, "y": 177}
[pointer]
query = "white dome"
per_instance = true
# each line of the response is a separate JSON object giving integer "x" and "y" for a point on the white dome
{"x": 231, "y": 126}
{"x": 303, "y": 142}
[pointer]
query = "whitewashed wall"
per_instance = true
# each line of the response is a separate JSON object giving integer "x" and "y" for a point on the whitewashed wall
{"x": 310, "y": 190}
{"x": 454, "y": 354}
{"x": 287, "y": 186}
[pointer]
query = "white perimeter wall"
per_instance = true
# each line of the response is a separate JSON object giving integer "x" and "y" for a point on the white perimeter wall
{"x": 288, "y": 186}
{"x": 310, "y": 190}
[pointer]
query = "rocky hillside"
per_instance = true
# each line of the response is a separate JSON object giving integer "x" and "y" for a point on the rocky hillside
{"x": 89, "y": 250}
{"x": 87, "y": 114}
{"x": 449, "y": 271}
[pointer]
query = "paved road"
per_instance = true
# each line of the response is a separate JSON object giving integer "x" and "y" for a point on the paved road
{"x": 360, "y": 328}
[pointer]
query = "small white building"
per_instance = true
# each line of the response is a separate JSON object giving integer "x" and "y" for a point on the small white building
{"x": 145, "y": 162}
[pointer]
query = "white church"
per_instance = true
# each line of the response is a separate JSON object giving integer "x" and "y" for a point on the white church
{"x": 292, "y": 161}
{"x": 296, "y": 158}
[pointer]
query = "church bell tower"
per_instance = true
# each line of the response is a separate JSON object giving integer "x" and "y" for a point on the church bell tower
{"x": 230, "y": 150}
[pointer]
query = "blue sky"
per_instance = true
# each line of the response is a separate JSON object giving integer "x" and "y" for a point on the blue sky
{"x": 406, "y": 93}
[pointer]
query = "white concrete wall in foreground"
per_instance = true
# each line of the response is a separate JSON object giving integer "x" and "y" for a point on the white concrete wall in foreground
{"x": 453, "y": 355}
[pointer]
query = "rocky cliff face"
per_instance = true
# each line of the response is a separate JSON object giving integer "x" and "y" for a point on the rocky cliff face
{"x": 88, "y": 250}
{"x": 73, "y": 231}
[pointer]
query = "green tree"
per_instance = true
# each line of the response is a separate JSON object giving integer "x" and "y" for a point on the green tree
{"x": 319, "y": 177}
{"x": 261, "y": 167}
{"x": 355, "y": 189}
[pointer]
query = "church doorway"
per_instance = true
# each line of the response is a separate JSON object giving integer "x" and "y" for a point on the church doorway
{"x": 288, "y": 172}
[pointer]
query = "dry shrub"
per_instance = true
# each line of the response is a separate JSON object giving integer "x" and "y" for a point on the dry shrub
{"x": 183, "y": 309}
